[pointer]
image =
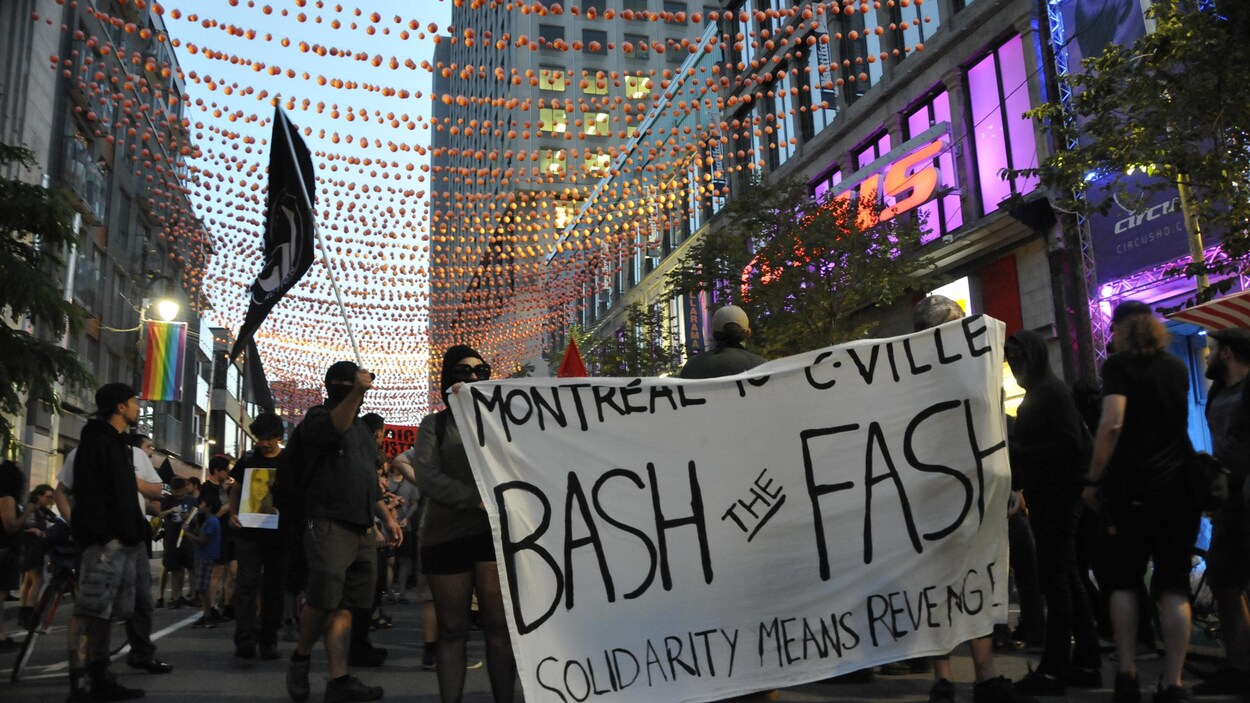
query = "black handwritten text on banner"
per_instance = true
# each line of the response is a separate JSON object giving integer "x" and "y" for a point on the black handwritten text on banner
{"x": 663, "y": 539}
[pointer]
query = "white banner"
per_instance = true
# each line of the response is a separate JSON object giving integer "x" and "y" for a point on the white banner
{"x": 671, "y": 540}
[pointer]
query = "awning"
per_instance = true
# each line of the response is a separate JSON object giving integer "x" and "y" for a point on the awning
{"x": 1219, "y": 314}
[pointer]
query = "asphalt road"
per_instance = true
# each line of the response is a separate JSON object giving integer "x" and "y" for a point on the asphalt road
{"x": 205, "y": 669}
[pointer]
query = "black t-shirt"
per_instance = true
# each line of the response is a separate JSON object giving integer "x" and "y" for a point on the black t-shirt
{"x": 253, "y": 459}
{"x": 1154, "y": 440}
{"x": 343, "y": 479}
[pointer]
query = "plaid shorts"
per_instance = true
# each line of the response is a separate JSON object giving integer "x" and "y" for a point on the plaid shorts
{"x": 106, "y": 581}
{"x": 204, "y": 575}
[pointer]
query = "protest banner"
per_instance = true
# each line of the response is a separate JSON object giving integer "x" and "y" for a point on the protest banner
{"x": 397, "y": 439}
{"x": 669, "y": 540}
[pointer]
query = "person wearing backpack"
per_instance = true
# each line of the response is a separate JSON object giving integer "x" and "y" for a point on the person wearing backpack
{"x": 1228, "y": 558}
{"x": 457, "y": 551}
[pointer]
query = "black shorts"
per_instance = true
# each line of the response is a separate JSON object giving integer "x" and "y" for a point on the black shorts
{"x": 1160, "y": 531}
{"x": 457, "y": 556}
{"x": 175, "y": 557}
{"x": 1228, "y": 557}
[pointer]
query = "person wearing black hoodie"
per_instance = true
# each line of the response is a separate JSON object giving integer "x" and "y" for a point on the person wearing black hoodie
{"x": 457, "y": 551}
{"x": 1051, "y": 449}
{"x": 111, "y": 533}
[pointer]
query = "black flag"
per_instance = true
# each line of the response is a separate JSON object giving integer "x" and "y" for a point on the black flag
{"x": 290, "y": 243}
{"x": 258, "y": 385}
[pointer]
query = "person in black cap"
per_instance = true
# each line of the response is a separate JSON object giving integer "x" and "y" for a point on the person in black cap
{"x": 111, "y": 531}
{"x": 457, "y": 552}
{"x": 341, "y": 500}
{"x": 1137, "y": 477}
{"x": 1228, "y": 557}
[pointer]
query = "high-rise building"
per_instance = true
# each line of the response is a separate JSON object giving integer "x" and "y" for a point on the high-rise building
{"x": 100, "y": 105}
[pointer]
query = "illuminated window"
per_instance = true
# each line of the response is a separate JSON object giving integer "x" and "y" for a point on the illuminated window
{"x": 942, "y": 214}
{"x": 551, "y": 162}
{"x": 637, "y": 87}
{"x": 554, "y": 120}
{"x": 598, "y": 124}
{"x": 597, "y": 165}
{"x": 873, "y": 150}
{"x": 596, "y": 84}
{"x": 998, "y": 94}
{"x": 551, "y": 79}
{"x": 564, "y": 215}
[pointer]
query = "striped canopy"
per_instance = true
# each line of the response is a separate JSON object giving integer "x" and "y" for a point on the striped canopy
{"x": 1219, "y": 314}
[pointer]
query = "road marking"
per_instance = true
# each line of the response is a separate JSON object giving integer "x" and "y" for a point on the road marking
{"x": 52, "y": 671}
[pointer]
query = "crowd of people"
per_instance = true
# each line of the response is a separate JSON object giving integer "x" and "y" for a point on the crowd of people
{"x": 1100, "y": 486}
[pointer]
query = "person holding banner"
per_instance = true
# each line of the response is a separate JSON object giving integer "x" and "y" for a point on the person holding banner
{"x": 1137, "y": 477}
{"x": 931, "y": 312}
{"x": 730, "y": 328}
{"x": 457, "y": 550}
{"x": 258, "y": 548}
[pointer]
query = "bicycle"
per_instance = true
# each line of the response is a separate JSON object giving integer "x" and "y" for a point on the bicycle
{"x": 64, "y": 579}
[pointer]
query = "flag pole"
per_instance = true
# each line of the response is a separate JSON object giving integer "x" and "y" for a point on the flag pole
{"x": 325, "y": 253}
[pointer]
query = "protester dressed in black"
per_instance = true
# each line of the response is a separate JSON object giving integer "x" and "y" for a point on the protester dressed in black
{"x": 1050, "y": 451}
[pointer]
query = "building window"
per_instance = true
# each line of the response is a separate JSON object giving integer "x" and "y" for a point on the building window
{"x": 859, "y": 57}
{"x": 551, "y": 162}
{"x": 1003, "y": 138}
{"x": 594, "y": 41}
{"x": 637, "y": 87}
{"x": 781, "y": 124}
{"x": 550, "y": 34}
{"x": 597, "y": 165}
{"x": 674, "y": 12}
{"x": 554, "y": 120}
{"x": 914, "y": 24}
{"x": 634, "y": 6}
{"x": 640, "y": 43}
{"x": 828, "y": 182}
{"x": 596, "y": 5}
{"x": 877, "y": 147}
{"x": 944, "y": 214}
{"x": 596, "y": 83}
{"x": 551, "y": 79}
{"x": 597, "y": 124}
{"x": 820, "y": 95}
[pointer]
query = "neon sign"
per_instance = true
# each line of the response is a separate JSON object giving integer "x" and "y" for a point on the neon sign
{"x": 882, "y": 192}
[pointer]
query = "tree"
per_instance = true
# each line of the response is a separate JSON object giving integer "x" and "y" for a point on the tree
{"x": 804, "y": 270}
{"x": 34, "y": 221}
{"x": 643, "y": 346}
{"x": 1175, "y": 105}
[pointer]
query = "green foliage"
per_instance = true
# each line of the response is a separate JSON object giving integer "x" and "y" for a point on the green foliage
{"x": 1175, "y": 103}
{"x": 643, "y": 346}
{"x": 803, "y": 270}
{"x": 35, "y": 225}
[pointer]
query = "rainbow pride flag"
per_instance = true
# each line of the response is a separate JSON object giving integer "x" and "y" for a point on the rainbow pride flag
{"x": 162, "y": 364}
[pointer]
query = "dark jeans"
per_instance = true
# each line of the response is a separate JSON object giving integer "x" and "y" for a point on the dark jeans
{"x": 262, "y": 574}
{"x": 1053, "y": 515}
{"x": 1024, "y": 567}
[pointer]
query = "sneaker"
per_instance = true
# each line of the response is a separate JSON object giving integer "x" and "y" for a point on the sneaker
{"x": 943, "y": 691}
{"x": 1127, "y": 688}
{"x": 474, "y": 664}
{"x": 349, "y": 689}
{"x": 428, "y": 661}
{"x": 1084, "y": 678}
{"x": 366, "y": 655}
{"x": 893, "y": 669}
{"x": 269, "y": 651}
{"x": 297, "y": 680}
{"x": 1224, "y": 682}
{"x": 245, "y": 650}
{"x": 107, "y": 689}
{"x": 290, "y": 631}
{"x": 204, "y": 623}
{"x": 1036, "y": 683}
{"x": 1171, "y": 694}
{"x": 999, "y": 690}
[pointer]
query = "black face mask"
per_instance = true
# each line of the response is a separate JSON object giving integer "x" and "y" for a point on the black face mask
{"x": 336, "y": 393}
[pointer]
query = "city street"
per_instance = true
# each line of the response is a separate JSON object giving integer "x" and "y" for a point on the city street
{"x": 205, "y": 669}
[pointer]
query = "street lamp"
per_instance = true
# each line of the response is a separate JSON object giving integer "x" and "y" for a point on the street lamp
{"x": 167, "y": 309}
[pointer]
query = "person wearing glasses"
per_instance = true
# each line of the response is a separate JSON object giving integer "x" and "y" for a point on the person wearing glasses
{"x": 457, "y": 553}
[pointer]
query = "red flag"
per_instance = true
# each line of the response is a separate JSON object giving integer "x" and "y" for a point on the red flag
{"x": 571, "y": 365}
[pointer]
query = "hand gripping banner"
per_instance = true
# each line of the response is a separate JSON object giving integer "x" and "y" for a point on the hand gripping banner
{"x": 670, "y": 540}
